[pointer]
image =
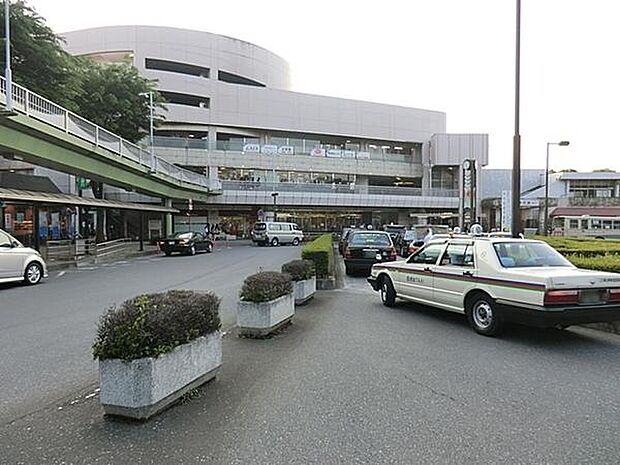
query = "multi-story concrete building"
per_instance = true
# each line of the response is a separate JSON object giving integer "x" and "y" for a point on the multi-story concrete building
{"x": 324, "y": 162}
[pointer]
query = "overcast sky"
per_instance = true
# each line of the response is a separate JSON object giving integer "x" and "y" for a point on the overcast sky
{"x": 455, "y": 56}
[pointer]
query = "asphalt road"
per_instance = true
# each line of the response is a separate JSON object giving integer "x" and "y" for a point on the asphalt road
{"x": 46, "y": 331}
{"x": 354, "y": 382}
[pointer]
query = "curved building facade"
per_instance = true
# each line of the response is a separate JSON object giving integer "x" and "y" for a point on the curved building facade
{"x": 231, "y": 110}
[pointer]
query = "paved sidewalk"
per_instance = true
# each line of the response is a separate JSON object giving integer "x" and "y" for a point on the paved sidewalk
{"x": 354, "y": 382}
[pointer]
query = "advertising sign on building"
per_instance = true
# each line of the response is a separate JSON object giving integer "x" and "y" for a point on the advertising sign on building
{"x": 269, "y": 149}
{"x": 348, "y": 154}
{"x": 363, "y": 155}
{"x": 251, "y": 148}
{"x": 469, "y": 193}
{"x": 506, "y": 211}
{"x": 334, "y": 153}
{"x": 286, "y": 150}
{"x": 317, "y": 152}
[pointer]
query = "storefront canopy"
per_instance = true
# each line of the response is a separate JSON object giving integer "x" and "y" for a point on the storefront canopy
{"x": 18, "y": 195}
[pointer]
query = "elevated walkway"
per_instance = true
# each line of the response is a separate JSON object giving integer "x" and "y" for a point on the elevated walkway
{"x": 41, "y": 132}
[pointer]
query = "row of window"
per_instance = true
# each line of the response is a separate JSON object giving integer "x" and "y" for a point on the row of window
{"x": 199, "y": 71}
{"x": 593, "y": 224}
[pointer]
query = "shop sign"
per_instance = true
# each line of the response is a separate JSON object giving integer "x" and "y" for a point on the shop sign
{"x": 269, "y": 149}
{"x": 334, "y": 153}
{"x": 251, "y": 148}
{"x": 348, "y": 154}
{"x": 286, "y": 150}
{"x": 8, "y": 221}
{"x": 317, "y": 152}
{"x": 363, "y": 155}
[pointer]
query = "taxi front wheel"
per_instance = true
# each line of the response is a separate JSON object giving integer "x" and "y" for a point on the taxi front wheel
{"x": 387, "y": 292}
{"x": 483, "y": 315}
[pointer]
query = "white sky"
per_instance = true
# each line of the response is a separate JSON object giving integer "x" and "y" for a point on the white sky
{"x": 455, "y": 56}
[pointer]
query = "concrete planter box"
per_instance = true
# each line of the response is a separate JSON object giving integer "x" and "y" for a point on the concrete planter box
{"x": 141, "y": 388}
{"x": 259, "y": 319}
{"x": 304, "y": 290}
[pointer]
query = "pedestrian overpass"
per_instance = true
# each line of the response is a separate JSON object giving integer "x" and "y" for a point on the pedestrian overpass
{"x": 43, "y": 133}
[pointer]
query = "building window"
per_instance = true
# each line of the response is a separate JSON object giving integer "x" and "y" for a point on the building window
{"x": 573, "y": 224}
{"x": 236, "y": 79}
{"x": 185, "y": 99}
{"x": 176, "y": 67}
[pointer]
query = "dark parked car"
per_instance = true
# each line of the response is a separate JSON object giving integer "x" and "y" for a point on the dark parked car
{"x": 407, "y": 242}
{"x": 394, "y": 230}
{"x": 188, "y": 243}
{"x": 365, "y": 248}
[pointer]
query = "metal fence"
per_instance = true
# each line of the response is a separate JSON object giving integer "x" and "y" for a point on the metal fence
{"x": 39, "y": 108}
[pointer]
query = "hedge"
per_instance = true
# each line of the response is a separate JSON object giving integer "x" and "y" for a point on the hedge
{"x": 585, "y": 247}
{"x": 609, "y": 263}
{"x": 152, "y": 324}
{"x": 299, "y": 270}
{"x": 265, "y": 286}
{"x": 321, "y": 252}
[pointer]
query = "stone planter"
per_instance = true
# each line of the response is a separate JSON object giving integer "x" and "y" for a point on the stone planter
{"x": 141, "y": 388}
{"x": 259, "y": 319}
{"x": 304, "y": 290}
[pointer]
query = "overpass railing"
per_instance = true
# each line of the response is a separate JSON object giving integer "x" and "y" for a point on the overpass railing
{"x": 42, "y": 109}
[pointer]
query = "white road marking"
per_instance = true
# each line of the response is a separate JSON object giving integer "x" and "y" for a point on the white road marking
{"x": 62, "y": 273}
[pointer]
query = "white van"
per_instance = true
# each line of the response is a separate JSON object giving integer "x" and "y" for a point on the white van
{"x": 276, "y": 233}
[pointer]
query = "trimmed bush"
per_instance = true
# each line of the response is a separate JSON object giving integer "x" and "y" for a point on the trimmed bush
{"x": 321, "y": 252}
{"x": 265, "y": 286}
{"x": 299, "y": 270}
{"x": 152, "y": 324}
{"x": 609, "y": 263}
{"x": 585, "y": 247}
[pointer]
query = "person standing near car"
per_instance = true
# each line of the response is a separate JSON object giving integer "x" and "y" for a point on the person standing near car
{"x": 428, "y": 236}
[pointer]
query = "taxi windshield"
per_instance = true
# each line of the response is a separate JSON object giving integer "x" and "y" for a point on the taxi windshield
{"x": 528, "y": 254}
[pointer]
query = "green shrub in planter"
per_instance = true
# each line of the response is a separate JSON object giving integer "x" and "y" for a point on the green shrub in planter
{"x": 321, "y": 252}
{"x": 153, "y": 324}
{"x": 265, "y": 286}
{"x": 299, "y": 270}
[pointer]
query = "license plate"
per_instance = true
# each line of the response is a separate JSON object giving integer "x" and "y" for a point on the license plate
{"x": 591, "y": 296}
{"x": 370, "y": 253}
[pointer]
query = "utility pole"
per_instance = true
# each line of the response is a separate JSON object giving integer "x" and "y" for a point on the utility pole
{"x": 516, "y": 143}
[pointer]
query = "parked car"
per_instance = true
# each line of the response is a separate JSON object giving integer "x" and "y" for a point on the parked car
{"x": 500, "y": 280}
{"x": 365, "y": 248}
{"x": 407, "y": 242}
{"x": 343, "y": 239}
{"x": 19, "y": 263}
{"x": 188, "y": 243}
{"x": 394, "y": 230}
{"x": 275, "y": 233}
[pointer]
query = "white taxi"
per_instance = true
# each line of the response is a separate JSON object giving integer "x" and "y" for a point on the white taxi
{"x": 500, "y": 280}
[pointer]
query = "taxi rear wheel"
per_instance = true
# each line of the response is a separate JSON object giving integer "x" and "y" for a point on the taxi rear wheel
{"x": 483, "y": 316}
{"x": 387, "y": 292}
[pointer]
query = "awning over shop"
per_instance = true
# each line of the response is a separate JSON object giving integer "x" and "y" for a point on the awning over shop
{"x": 18, "y": 195}
{"x": 586, "y": 211}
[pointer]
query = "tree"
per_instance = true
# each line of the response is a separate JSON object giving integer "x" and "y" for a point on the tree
{"x": 115, "y": 97}
{"x": 38, "y": 60}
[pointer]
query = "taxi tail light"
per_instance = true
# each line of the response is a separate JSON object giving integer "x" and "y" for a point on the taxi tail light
{"x": 347, "y": 253}
{"x": 614, "y": 295}
{"x": 561, "y": 297}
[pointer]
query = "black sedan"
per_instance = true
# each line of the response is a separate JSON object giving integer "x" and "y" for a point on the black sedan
{"x": 188, "y": 243}
{"x": 365, "y": 248}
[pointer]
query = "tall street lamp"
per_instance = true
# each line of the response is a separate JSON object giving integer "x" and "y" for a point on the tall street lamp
{"x": 562, "y": 143}
{"x": 7, "y": 53}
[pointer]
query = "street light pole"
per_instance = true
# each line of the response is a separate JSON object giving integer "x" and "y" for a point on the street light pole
{"x": 516, "y": 144}
{"x": 7, "y": 51}
{"x": 546, "y": 217}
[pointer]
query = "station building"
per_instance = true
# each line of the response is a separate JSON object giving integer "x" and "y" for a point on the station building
{"x": 320, "y": 161}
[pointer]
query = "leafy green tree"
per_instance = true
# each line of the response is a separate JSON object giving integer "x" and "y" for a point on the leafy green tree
{"x": 38, "y": 60}
{"x": 115, "y": 97}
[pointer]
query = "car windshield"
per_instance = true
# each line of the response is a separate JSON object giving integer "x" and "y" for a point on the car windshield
{"x": 260, "y": 226}
{"x": 528, "y": 254}
{"x": 183, "y": 235}
{"x": 370, "y": 239}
